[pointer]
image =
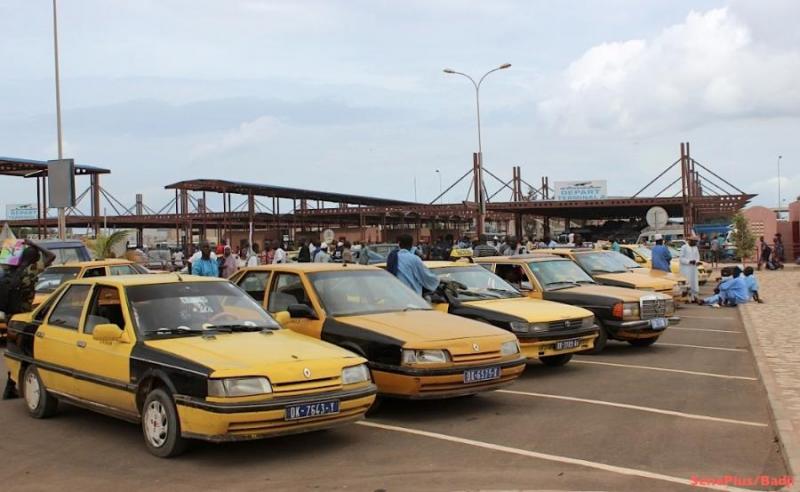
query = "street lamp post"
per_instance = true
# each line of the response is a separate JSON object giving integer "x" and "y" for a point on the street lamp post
{"x": 479, "y": 180}
{"x": 779, "y": 185}
{"x": 440, "y": 185}
{"x": 62, "y": 218}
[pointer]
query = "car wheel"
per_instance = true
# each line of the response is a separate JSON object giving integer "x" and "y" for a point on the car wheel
{"x": 556, "y": 360}
{"x": 40, "y": 403}
{"x": 376, "y": 406}
{"x": 643, "y": 342}
{"x": 599, "y": 342}
{"x": 160, "y": 425}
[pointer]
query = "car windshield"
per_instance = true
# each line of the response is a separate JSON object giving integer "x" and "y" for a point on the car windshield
{"x": 559, "y": 274}
{"x": 348, "y": 293}
{"x": 479, "y": 282}
{"x": 66, "y": 255}
{"x": 51, "y": 278}
{"x": 195, "y": 308}
{"x": 645, "y": 252}
{"x": 626, "y": 262}
{"x": 600, "y": 262}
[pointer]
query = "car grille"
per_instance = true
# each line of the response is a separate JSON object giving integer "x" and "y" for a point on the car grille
{"x": 311, "y": 385}
{"x": 476, "y": 357}
{"x": 566, "y": 324}
{"x": 652, "y": 307}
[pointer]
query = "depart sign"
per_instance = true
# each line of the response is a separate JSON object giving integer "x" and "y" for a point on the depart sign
{"x": 22, "y": 211}
{"x": 580, "y": 190}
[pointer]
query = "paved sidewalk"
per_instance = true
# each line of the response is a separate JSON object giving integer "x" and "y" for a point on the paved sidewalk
{"x": 773, "y": 329}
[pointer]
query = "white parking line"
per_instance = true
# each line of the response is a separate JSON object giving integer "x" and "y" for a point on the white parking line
{"x": 683, "y": 328}
{"x": 725, "y": 318}
{"x": 701, "y": 347}
{"x": 663, "y": 369}
{"x": 544, "y": 456}
{"x": 636, "y": 407}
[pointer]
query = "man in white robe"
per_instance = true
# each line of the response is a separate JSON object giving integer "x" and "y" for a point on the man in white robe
{"x": 689, "y": 258}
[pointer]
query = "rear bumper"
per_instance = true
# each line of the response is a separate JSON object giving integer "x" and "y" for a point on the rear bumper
{"x": 632, "y": 330}
{"x": 219, "y": 422}
{"x": 419, "y": 384}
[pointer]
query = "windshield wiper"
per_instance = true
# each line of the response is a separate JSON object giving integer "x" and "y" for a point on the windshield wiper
{"x": 597, "y": 270}
{"x": 180, "y": 330}
{"x": 238, "y": 327}
{"x": 585, "y": 282}
{"x": 475, "y": 293}
{"x": 569, "y": 282}
{"x": 507, "y": 293}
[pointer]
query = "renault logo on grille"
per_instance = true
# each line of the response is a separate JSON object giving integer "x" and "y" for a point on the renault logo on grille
{"x": 567, "y": 324}
{"x": 476, "y": 347}
{"x": 307, "y": 372}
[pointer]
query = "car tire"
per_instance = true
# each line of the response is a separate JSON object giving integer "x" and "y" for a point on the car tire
{"x": 41, "y": 404}
{"x": 599, "y": 342}
{"x": 643, "y": 342}
{"x": 376, "y": 406}
{"x": 161, "y": 426}
{"x": 556, "y": 360}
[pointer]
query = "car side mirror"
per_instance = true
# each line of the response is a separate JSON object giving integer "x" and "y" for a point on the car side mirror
{"x": 526, "y": 286}
{"x": 639, "y": 259}
{"x": 301, "y": 311}
{"x": 282, "y": 317}
{"x": 109, "y": 332}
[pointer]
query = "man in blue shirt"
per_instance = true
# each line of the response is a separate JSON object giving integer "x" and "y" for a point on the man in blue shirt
{"x": 205, "y": 266}
{"x": 410, "y": 269}
{"x": 752, "y": 284}
{"x": 732, "y": 290}
{"x": 662, "y": 258}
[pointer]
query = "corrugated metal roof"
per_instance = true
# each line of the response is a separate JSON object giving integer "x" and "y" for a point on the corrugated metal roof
{"x": 15, "y": 166}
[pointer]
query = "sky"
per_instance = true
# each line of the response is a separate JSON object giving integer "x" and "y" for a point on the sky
{"x": 350, "y": 96}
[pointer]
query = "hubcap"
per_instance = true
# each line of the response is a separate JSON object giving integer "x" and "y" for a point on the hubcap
{"x": 155, "y": 424}
{"x": 32, "y": 391}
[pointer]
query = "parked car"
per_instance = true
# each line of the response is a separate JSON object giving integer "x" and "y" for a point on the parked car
{"x": 548, "y": 331}
{"x": 413, "y": 350}
{"x": 66, "y": 251}
{"x": 52, "y": 277}
{"x": 646, "y": 269}
{"x": 188, "y": 358}
{"x": 635, "y": 316}
{"x": 643, "y": 256}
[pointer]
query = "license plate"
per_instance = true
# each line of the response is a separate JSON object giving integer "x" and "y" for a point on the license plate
{"x": 659, "y": 323}
{"x": 309, "y": 410}
{"x": 483, "y": 374}
{"x": 568, "y": 344}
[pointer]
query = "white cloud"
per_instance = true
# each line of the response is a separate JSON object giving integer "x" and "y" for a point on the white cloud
{"x": 248, "y": 133}
{"x": 707, "y": 68}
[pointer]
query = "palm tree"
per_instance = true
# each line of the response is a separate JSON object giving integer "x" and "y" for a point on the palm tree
{"x": 105, "y": 245}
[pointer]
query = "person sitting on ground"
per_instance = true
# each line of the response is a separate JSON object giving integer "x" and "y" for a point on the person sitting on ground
{"x": 410, "y": 269}
{"x": 205, "y": 265}
{"x": 732, "y": 290}
{"x": 752, "y": 284}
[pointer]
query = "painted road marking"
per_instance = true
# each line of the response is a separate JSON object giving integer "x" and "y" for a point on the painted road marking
{"x": 701, "y": 347}
{"x": 683, "y": 328}
{"x": 544, "y": 456}
{"x": 636, "y": 407}
{"x": 663, "y": 369}
{"x": 725, "y": 318}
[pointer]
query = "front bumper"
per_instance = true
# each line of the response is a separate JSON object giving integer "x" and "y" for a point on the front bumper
{"x": 420, "y": 383}
{"x": 223, "y": 422}
{"x": 545, "y": 345}
{"x": 632, "y": 330}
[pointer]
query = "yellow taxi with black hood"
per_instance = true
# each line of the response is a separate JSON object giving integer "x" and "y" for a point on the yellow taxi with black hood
{"x": 186, "y": 357}
{"x": 413, "y": 350}
{"x": 549, "y": 331}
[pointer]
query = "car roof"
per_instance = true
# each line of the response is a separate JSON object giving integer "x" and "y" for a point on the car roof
{"x": 310, "y": 267}
{"x": 97, "y": 263}
{"x": 153, "y": 279}
{"x": 447, "y": 264}
{"x": 521, "y": 258}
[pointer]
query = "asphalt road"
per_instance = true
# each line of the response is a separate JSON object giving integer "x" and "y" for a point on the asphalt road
{"x": 627, "y": 419}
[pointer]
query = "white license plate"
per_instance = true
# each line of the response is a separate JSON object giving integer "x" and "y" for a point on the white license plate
{"x": 659, "y": 323}
{"x": 482, "y": 374}
{"x": 568, "y": 344}
{"x": 310, "y": 410}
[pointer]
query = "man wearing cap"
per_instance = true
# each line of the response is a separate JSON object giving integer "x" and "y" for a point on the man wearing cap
{"x": 661, "y": 255}
{"x": 689, "y": 258}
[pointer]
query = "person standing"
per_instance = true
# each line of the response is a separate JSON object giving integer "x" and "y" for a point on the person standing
{"x": 615, "y": 244}
{"x": 280, "y": 254}
{"x": 763, "y": 252}
{"x": 347, "y": 253}
{"x": 229, "y": 266}
{"x": 205, "y": 265}
{"x": 410, "y": 269}
{"x": 322, "y": 254}
{"x": 662, "y": 258}
{"x": 483, "y": 248}
{"x": 715, "y": 250}
{"x": 19, "y": 286}
{"x": 304, "y": 256}
{"x": 252, "y": 257}
{"x": 689, "y": 258}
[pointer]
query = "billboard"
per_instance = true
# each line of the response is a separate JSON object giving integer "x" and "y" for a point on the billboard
{"x": 61, "y": 183}
{"x": 22, "y": 211}
{"x": 580, "y": 190}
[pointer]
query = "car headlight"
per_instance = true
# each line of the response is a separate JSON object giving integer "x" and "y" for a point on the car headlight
{"x": 355, "y": 374}
{"x": 525, "y": 328}
{"x": 509, "y": 348}
{"x": 588, "y": 322}
{"x": 238, "y": 387}
{"x": 625, "y": 310}
{"x": 411, "y": 356}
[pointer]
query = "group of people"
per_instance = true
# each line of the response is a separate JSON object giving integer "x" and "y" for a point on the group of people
{"x": 342, "y": 251}
{"x": 689, "y": 259}
{"x": 223, "y": 262}
{"x": 772, "y": 258}
{"x": 736, "y": 287}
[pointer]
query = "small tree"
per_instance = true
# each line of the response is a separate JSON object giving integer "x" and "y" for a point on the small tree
{"x": 105, "y": 245}
{"x": 743, "y": 239}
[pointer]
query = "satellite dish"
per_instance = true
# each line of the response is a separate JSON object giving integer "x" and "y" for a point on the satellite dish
{"x": 328, "y": 235}
{"x": 657, "y": 217}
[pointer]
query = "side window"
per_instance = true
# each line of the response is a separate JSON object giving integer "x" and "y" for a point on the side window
{"x": 105, "y": 308}
{"x": 287, "y": 289}
{"x": 487, "y": 266}
{"x": 95, "y": 272}
{"x": 45, "y": 307}
{"x": 255, "y": 284}
{"x": 122, "y": 270}
{"x": 67, "y": 313}
{"x": 515, "y": 275}
{"x": 627, "y": 252}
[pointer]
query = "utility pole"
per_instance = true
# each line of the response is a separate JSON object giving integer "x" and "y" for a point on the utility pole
{"x": 62, "y": 218}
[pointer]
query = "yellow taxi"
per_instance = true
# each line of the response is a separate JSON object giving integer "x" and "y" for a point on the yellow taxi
{"x": 413, "y": 350}
{"x": 186, "y": 357}
{"x": 51, "y": 278}
{"x": 606, "y": 268}
{"x": 634, "y": 316}
{"x": 549, "y": 331}
{"x": 643, "y": 256}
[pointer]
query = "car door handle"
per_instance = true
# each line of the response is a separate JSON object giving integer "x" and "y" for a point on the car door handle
{"x": 81, "y": 344}
{"x": 40, "y": 333}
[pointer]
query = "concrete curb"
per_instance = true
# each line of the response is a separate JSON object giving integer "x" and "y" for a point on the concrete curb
{"x": 788, "y": 435}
